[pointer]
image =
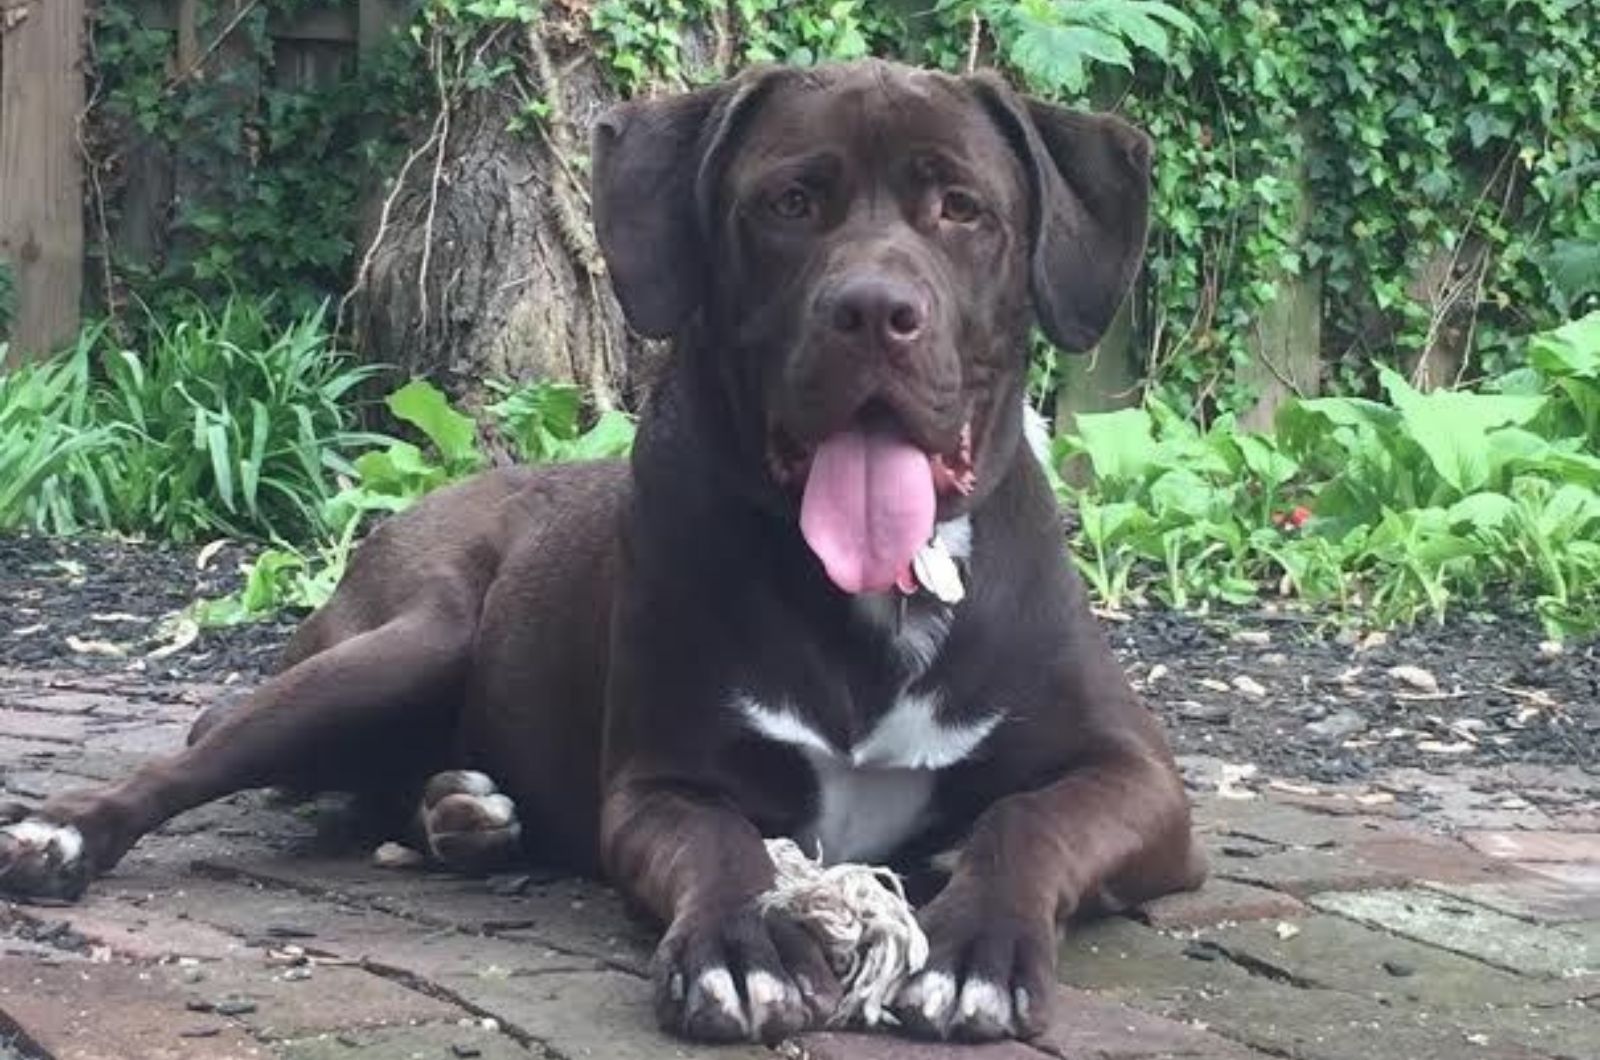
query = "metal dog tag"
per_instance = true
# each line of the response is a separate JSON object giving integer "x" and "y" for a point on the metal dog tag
{"x": 937, "y": 572}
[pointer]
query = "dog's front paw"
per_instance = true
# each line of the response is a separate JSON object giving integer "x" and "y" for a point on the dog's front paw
{"x": 988, "y": 975}
{"x": 40, "y": 858}
{"x": 736, "y": 975}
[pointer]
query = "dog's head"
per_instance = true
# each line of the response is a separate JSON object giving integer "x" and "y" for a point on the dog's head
{"x": 861, "y": 250}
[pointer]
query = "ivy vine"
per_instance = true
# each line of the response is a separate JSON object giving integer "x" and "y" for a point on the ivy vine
{"x": 1383, "y": 143}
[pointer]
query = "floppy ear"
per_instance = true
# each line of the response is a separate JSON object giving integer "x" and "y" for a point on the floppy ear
{"x": 1089, "y": 177}
{"x": 654, "y": 164}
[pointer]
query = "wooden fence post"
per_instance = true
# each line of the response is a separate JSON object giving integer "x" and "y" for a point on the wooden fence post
{"x": 1286, "y": 346}
{"x": 41, "y": 173}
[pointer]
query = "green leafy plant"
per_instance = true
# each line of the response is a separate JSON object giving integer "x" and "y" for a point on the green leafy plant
{"x": 44, "y": 421}
{"x": 543, "y": 420}
{"x": 1057, "y": 44}
{"x": 1396, "y": 508}
{"x": 221, "y": 423}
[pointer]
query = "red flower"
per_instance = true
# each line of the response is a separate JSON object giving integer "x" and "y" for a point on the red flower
{"x": 1293, "y": 519}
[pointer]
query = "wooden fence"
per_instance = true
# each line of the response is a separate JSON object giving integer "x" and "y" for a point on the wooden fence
{"x": 42, "y": 100}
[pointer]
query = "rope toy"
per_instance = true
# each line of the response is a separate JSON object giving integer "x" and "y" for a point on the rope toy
{"x": 860, "y": 916}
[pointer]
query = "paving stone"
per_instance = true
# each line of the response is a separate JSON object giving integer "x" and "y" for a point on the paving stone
{"x": 15, "y": 751}
{"x": 1124, "y": 958}
{"x": 1372, "y": 862}
{"x": 1488, "y": 935}
{"x": 37, "y": 725}
{"x": 139, "y": 742}
{"x": 332, "y": 998}
{"x": 1219, "y": 901}
{"x": 431, "y": 1042}
{"x": 76, "y": 1010}
{"x": 839, "y": 1046}
{"x": 1543, "y": 897}
{"x": 1090, "y": 1027}
{"x": 1276, "y": 822}
{"x": 606, "y": 1015}
{"x": 139, "y": 933}
{"x": 573, "y": 915}
{"x": 67, "y": 701}
{"x": 1334, "y": 953}
{"x": 1328, "y": 1025}
{"x": 1557, "y": 846}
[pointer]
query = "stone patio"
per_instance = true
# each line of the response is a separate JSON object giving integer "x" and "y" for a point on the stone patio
{"x": 1453, "y": 914}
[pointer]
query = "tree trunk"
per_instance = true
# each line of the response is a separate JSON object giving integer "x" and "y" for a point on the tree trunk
{"x": 486, "y": 265}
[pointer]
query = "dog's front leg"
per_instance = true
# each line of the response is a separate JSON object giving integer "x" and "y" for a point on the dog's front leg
{"x": 1105, "y": 836}
{"x": 724, "y": 971}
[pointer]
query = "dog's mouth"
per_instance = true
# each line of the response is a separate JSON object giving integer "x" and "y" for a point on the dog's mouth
{"x": 869, "y": 497}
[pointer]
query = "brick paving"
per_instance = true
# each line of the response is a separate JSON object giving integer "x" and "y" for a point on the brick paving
{"x": 1453, "y": 915}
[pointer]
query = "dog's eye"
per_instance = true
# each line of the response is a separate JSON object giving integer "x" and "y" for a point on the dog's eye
{"x": 793, "y": 203}
{"x": 960, "y": 207}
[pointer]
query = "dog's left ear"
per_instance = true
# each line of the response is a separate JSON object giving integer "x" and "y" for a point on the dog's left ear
{"x": 1089, "y": 178}
{"x": 654, "y": 164}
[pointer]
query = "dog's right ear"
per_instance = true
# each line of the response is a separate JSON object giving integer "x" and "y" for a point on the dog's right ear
{"x": 656, "y": 163}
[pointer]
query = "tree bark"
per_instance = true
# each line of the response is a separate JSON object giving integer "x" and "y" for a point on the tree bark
{"x": 487, "y": 268}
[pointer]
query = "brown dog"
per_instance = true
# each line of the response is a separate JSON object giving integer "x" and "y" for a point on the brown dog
{"x": 828, "y": 599}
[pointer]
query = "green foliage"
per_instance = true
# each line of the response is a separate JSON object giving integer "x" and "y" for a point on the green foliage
{"x": 542, "y": 419}
{"x": 1056, "y": 46}
{"x": 44, "y": 421}
{"x": 222, "y": 423}
{"x": 544, "y": 422}
{"x": 1402, "y": 506}
{"x": 1417, "y": 131}
{"x": 270, "y": 172}
{"x": 643, "y": 41}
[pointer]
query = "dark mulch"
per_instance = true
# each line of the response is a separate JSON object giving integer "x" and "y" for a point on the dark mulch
{"x": 1324, "y": 705}
{"x": 101, "y": 604}
{"x": 1299, "y": 698}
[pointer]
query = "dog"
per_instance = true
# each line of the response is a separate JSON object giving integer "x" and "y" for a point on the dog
{"x": 827, "y": 598}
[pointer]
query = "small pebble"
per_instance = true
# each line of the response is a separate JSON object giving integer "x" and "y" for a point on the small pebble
{"x": 461, "y": 1049}
{"x": 1257, "y": 637}
{"x": 1249, "y": 686}
{"x": 234, "y": 1007}
{"x": 1209, "y": 713}
{"x": 1338, "y": 725}
{"x": 396, "y": 856}
{"x": 200, "y": 1032}
{"x": 1416, "y": 677}
{"x": 1399, "y": 969}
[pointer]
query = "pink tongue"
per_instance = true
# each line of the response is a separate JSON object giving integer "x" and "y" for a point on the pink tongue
{"x": 868, "y": 508}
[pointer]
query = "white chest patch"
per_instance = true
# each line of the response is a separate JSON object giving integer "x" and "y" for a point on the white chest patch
{"x": 875, "y": 795}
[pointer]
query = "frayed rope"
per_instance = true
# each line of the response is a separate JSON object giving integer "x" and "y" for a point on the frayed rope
{"x": 860, "y": 916}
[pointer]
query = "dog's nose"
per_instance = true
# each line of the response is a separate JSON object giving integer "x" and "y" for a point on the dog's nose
{"x": 880, "y": 310}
